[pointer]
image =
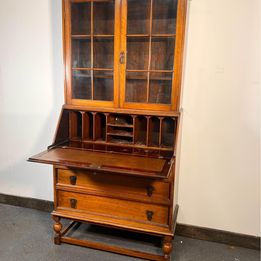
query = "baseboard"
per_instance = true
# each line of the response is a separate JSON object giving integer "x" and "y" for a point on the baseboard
{"x": 207, "y": 234}
{"x": 219, "y": 236}
{"x": 39, "y": 204}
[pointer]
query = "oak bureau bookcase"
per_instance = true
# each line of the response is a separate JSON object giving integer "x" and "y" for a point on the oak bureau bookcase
{"x": 114, "y": 148}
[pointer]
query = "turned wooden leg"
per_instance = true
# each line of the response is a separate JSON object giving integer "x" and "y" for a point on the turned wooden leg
{"x": 167, "y": 247}
{"x": 57, "y": 227}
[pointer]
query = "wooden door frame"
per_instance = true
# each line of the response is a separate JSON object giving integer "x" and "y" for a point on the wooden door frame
{"x": 67, "y": 55}
{"x": 178, "y": 59}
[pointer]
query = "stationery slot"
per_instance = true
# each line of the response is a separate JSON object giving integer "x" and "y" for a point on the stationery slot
{"x": 140, "y": 130}
{"x": 100, "y": 127}
{"x": 87, "y": 126}
{"x": 75, "y": 125}
{"x": 168, "y": 130}
{"x": 154, "y": 132}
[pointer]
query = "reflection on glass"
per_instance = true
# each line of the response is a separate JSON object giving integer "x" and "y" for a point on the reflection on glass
{"x": 103, "y": 86}
{"x": 137, "y": 53}
{"x": 81, "y": 84}
{"x": 138, "y": 16}
{"x": 103, "y": 53}
{"x": 136, "y": 87}
{"x": 81, "y": 18}
{"x": 103, "y": 14}
{"x": 160, "y": 88}
{"x": 164, "y": 16}
{"x": 162, "y": 53}
{"x": 81, "y": 53}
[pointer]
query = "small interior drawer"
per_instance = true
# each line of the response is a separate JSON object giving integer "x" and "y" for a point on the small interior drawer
{"x": 111, "y": 184}
{"x": 122, "y": 209}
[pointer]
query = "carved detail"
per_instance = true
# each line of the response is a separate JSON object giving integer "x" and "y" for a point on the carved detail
{"x": 57, "y": 227}
{"x": 167, "y": 247}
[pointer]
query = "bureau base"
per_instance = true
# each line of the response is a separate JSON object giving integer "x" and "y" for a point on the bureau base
{"x": 66, "y": 236}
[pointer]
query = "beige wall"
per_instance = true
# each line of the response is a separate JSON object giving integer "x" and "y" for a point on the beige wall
{"x": 219, "y": 177}
{"x": 219, "y": 152}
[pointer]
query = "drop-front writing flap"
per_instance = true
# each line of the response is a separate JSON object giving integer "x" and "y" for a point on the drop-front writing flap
{"x": 101, "y": 161}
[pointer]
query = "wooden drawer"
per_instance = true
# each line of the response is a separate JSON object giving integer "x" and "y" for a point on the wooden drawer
{"x": 124, "y": 186}
{"x": 117, "y": 208}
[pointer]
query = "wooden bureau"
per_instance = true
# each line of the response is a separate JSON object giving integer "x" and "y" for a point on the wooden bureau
{"x": 114, "y": 150}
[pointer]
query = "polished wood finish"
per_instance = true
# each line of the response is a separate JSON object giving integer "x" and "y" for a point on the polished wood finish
{"x": 114, "y": 249}
{"x": 109, "y": 207}
{"x": 115, "y": 144}
{"x": 137, "y": 189}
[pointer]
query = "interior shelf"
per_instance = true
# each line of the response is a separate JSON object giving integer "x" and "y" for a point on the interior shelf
{"x": 120, "y": 133}
{"x": 137, "y": 131}
{"x": 151, "y": 78}
{"x": 83, "y": 36}
{"x": 91, "y": 69}
{"x": 120, "y": 125}
{"x": 151, "y": 35}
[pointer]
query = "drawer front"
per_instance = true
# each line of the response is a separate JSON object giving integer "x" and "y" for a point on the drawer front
{"x": 147, "y": 189}
{"x": 117, "y": 208}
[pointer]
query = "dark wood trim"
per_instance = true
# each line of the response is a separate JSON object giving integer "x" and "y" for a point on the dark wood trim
{"x": 39, "y": 204}
{"x": 219, "y": 236}
{"x": 201, "y": 233}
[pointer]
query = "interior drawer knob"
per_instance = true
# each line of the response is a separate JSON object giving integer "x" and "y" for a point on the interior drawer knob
{"x": 150, "y": 190}
{"x": 73, "y": 202}
{"x": 149, "y": 214}
{"x": 73, "y": 180}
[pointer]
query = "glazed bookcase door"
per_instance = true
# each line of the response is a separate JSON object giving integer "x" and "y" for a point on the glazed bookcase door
{"x": 91, "y": 32}
{"x": 151, "y": 41}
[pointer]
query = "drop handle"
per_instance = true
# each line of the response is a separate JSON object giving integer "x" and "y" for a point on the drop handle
{"x": 73, "y": 202}
{"x": 150, "y": 190}
{"x": 149, "y": 214}
{"x": 73, "y": 180}
{"x": 122, "y": 57}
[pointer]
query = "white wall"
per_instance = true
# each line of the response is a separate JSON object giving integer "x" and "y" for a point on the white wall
{"x": 219, "y": 152}
{"x": 31, "y": 92}
{"x": 219, "y": 182}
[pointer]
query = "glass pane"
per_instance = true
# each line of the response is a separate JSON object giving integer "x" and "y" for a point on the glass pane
{"x": 103, "y": 86}
{"x": 81, "y": 53}
{"x": 103, "y": 53}
{"x": 136, "y": 87}
{"x": 160, "y": 88}
{"x": 103, "y": 14}
{"x": 81, "y": 84}
{"x": 164, "y": 16}
{"x": 162, "y": 53}
{"x": 137, "y": 53}
{"x": 138, "y": 17}
{"x": 81, "y": 18}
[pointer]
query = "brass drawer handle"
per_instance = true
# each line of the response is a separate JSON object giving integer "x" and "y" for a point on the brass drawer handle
{"x": 149, "y": 214}
{"x": 73, "y": 202}
{"x": 73, "y": 180}
{"x": 150, "y": 190}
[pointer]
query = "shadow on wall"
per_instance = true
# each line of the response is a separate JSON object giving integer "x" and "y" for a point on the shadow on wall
{"x": 19, "y": 177}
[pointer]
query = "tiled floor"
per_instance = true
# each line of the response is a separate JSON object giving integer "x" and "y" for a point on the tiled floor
{"x": 26, "y": 235}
